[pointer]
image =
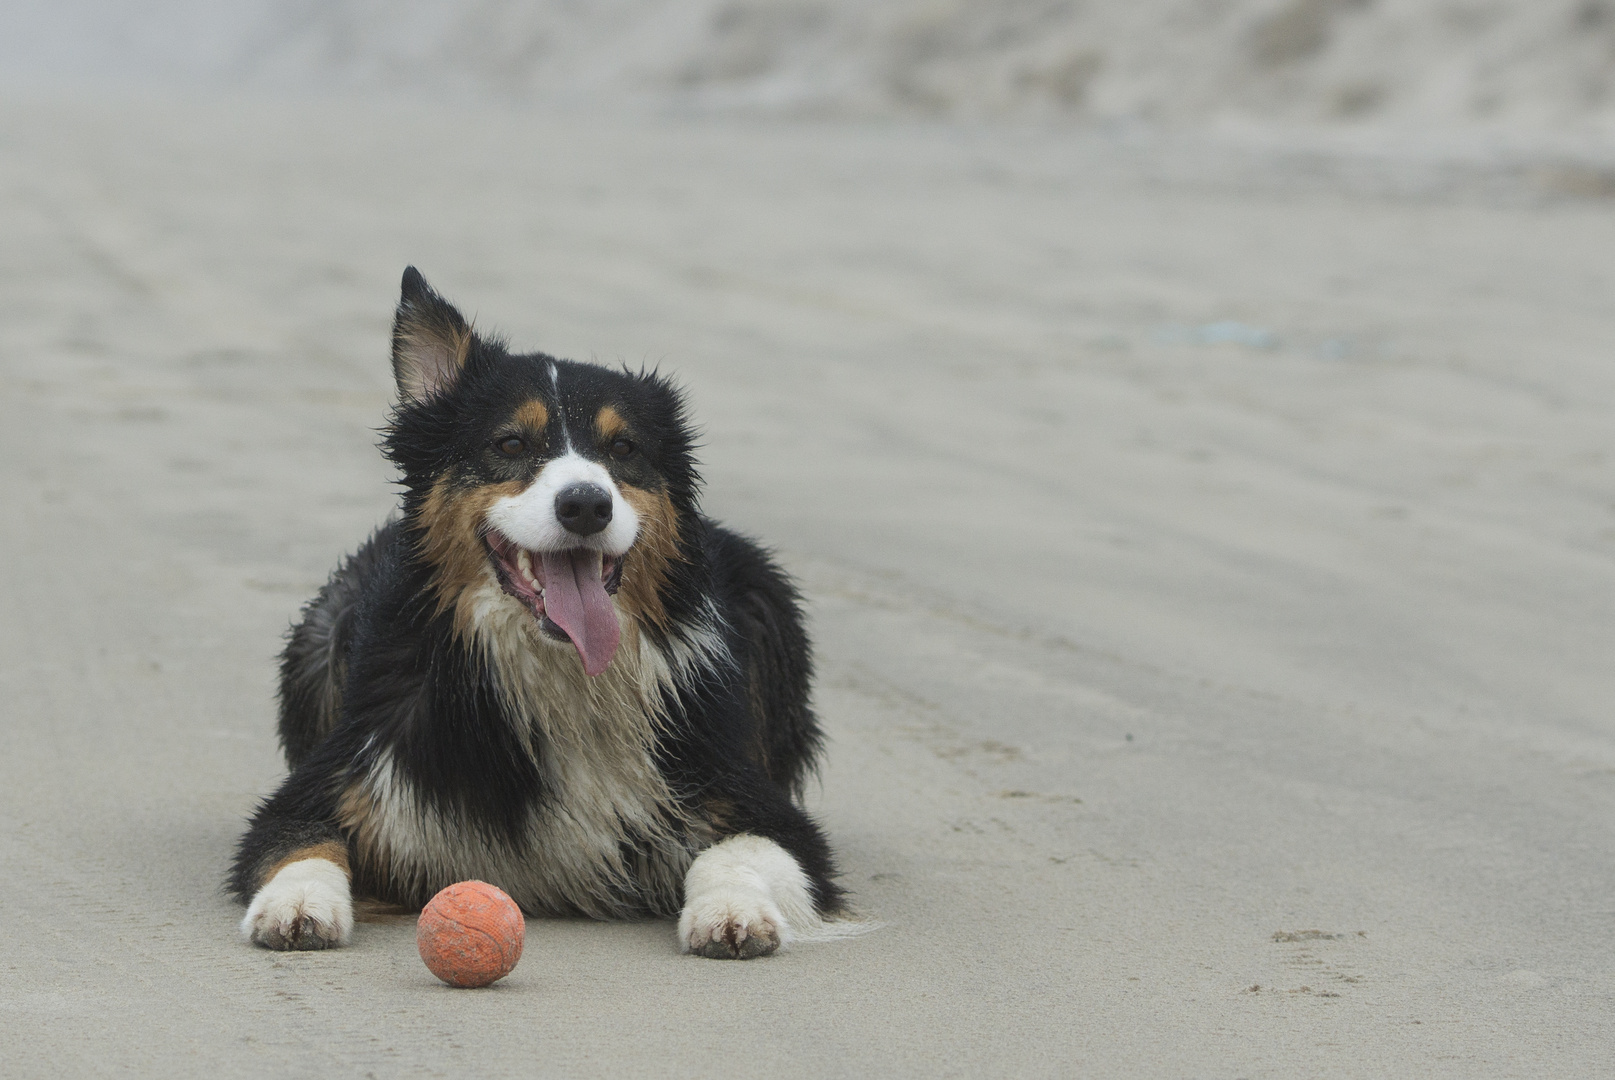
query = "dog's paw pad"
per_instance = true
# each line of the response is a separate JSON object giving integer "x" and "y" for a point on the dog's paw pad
{"x": 733, "y": 935}
{"x": 736, "y": 942}
{"x": 299, "y": 932}
{"x": 306, "y": 905}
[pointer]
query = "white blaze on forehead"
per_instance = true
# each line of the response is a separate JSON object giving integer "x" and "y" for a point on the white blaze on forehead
{"x": 560, "y": 407}
{"x": 528, "y": 518}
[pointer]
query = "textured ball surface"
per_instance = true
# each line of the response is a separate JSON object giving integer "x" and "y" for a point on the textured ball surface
{"x": 471, "y": 934}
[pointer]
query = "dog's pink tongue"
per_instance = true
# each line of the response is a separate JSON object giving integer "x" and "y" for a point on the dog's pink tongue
{"x": 575, "y": 600}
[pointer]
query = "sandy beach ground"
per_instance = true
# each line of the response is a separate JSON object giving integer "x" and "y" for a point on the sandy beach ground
{"x": 1211, "y": 555}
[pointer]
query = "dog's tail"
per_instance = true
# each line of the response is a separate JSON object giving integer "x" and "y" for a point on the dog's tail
{"x": 836, "y": 928}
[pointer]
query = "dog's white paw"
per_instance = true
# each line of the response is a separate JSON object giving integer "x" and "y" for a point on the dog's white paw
{"x": 732, "y": 927}
{"x": 744, "y": 897}
{"x": 306, "y": 905}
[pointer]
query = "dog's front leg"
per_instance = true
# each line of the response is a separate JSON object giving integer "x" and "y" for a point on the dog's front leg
{"x": 295, "y": 872}
{"x": 744, "y": 897}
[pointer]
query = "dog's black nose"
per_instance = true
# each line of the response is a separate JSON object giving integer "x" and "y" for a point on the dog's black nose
{"x": 584, "y": 509}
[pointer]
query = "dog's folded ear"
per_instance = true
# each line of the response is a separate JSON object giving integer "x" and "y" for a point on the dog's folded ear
{"x": 431, "y": 341}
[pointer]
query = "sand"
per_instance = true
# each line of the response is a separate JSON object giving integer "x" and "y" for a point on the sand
{"x": 1211, "y": 554}
{"x": 1511, "y": 64}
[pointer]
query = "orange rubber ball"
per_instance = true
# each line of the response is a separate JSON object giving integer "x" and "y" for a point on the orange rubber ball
{"x": 471, "y": 934}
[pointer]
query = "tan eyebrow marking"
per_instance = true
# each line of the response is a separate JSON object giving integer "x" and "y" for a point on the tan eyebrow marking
{"x": 534, "y": 414}
{"x": 610, "y": 423}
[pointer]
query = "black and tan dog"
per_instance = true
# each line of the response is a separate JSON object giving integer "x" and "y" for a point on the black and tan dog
{"x": 550, "y": 673}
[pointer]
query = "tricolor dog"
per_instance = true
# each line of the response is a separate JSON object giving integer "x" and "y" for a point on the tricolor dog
{"x": 550, "y": 672}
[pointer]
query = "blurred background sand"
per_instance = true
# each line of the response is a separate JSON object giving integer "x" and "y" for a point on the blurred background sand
{"x": 1190, "y": 423}
{"x": 1501, "y": 62}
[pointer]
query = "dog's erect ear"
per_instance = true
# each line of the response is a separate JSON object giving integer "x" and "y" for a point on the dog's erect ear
{"x": 430, "y": 341}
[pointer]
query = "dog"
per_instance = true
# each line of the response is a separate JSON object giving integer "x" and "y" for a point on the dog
{"x": 549, "y": 671}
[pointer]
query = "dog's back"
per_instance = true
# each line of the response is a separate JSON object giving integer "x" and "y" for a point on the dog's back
{"x": 777, "y": 660}
{"x": 314, "y": 665}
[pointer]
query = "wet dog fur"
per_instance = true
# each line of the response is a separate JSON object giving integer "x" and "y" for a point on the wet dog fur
{"x": 597, "y": 702}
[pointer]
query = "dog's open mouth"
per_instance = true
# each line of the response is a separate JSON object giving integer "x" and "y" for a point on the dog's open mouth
{"x": 568, "y": 592}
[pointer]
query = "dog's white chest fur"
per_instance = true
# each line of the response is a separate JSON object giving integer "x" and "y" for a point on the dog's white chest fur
{"x": 608, "y": 839}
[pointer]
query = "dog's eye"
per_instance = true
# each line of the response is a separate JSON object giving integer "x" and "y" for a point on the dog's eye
{"x": 621, "y": 448}
{"x": 512, "y": 446}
